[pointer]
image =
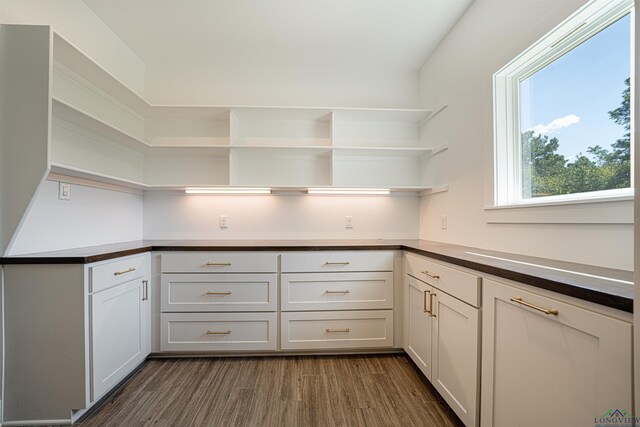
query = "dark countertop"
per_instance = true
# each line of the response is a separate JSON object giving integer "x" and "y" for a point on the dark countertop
{"x": 605, "y": 286}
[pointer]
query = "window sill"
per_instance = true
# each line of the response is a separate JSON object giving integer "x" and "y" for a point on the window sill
{"x": 606, "y": 210}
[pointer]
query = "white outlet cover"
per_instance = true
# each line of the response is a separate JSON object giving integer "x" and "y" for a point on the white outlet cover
{"x": 64, "y": 191}
{"x": 348, "y": 222}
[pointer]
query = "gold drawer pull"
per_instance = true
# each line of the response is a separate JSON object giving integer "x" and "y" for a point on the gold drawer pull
{"x": 337, "y": 263}
{"x": 433, "y": 276}
{"x": 336, "y": 292}
{"x": 218, "y": 264}
{"x": 338, "y": 330}
{"x": 218, "y": 333}
{"x": 425, "y": 302}
{"x": 519, "y": 300}
{"x": 128, "y": 270}
{"x": 218, "y": 293}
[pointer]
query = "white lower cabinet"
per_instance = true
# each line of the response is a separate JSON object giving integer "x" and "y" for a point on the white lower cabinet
{"x": 89, "y": 327}
{"x": 120, "y": 319}
{"x": 333, "y": 300}
{"x": 337, "y": 329}
{"x": 442, "y": 337}
{"x": 218, "y": 331}
{"x": 219, "y": 302}
{"x": 546, "y": 362}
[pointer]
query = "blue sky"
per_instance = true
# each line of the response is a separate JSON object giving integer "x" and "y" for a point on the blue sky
{"x": 578, "y": 90}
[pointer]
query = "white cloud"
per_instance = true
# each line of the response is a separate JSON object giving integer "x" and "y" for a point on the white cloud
{"x": 556, "y": 124}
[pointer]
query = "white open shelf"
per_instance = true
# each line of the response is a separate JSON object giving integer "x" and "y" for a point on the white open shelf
{"x": 104, "y": 131}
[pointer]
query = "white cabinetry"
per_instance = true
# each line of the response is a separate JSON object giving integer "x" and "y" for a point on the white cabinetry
{"x": 441, "y": 331}
{"x": 546, "y": 362}
{"x": 67, "y": 346}
{"x": 219, "y": 301}
{"x": 120, "y": 332}
{"x": 337, "y": 300}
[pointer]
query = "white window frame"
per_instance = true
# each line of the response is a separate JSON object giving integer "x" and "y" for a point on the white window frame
{"x": 579, "y": 27}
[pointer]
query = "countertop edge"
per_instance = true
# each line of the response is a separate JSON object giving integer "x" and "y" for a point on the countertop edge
{"x": 611, "y": 300}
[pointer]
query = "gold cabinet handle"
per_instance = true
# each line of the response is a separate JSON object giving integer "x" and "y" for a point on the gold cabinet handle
{"x": 431, "y": 313}
{"x": 218, "y": 333}
{"x": 128, "y": 270}
{"x": 218, "y": 293}
{"x": 433, "y": 276}
{"x": 337, "y": 263}
{"x": 336, "y": 292}
{"x": 338, "y": 330}
{"x": 425, "y": 302}
{"x": 145, "y": 294}
{"x": 218, "y": 264}
{"x": 547, "y": 311}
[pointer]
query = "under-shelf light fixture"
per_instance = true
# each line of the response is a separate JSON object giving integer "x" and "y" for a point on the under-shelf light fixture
{"x": 227, "y": 190}
{"x": 350, "y": 191}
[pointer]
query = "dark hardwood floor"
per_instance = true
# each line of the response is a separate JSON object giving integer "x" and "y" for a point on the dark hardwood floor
{"x": 371, "y": 390}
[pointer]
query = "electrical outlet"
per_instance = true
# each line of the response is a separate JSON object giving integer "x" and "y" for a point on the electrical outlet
{"x": 443, "y": 222}
{"x": 223, "y": 220}
{"x": 64, "y": 191}
{"x": 348, "y": 222}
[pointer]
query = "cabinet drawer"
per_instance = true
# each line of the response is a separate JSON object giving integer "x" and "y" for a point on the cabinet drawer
{"x": 336, "y": 291}
{"x": 337, "y": 329}
{"x": 457, "y": 283}
{"x": 112, "y": 273}
{"x": 219, "y": 262}
{"x": 219, "y": 292}
{"x": 218, "y": 331}
{"x": 294, "y": 262}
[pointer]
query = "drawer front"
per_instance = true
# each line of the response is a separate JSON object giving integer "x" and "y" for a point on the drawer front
{"x": 108, "y": 274}
{"x": 219, "y": 262}
{"x": 457, "y": 283}
{"x": 336, "y": 291}
{"x": 299, "y": 262}
{"x": 219, "y": 292}
{"x": 337, "y": 329}
{"x": 218, "y": 331}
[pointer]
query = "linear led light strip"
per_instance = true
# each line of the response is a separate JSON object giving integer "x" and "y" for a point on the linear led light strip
{"x": 351, "y": 191}
{"x": 227, "y": 190}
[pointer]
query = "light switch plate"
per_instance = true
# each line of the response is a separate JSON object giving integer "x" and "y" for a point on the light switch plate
{"x": 64, "y": 191}
{"x": 223, "y": 220}
{"x": 443, "y": 222}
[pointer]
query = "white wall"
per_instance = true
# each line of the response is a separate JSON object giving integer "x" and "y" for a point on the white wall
{"x": 92, "y": 217}
{"x": 489, "y": 35}
{"x": 315, "y": 87}
{"x": 75, "y": 21}
{"x": 181, "y": 216}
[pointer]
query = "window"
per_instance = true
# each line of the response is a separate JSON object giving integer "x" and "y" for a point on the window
{"x": 562, "y": 121}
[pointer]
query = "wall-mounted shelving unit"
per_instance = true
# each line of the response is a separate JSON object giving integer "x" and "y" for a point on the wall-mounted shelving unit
{"x": 100, "y": 130}
{"x": 101, "y": 126}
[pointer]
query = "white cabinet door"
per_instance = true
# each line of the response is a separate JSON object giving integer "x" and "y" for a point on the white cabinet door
{"x": 539, "y": 369}
{"x": 418, "y": 324}
{"x": 454, "y": 370}
{"x": 119, "y": 317}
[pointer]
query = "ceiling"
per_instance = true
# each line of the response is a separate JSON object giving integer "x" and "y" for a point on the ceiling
{"x": 382, "y": 34}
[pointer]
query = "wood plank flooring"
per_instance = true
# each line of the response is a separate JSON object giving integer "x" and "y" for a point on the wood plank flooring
{"x": 361, "y": 390}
